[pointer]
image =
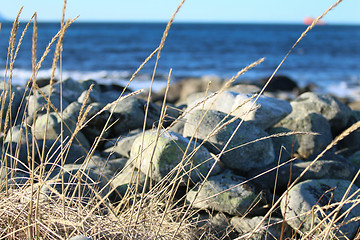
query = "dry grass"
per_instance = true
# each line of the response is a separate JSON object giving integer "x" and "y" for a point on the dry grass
{"x": 153, "y": 213}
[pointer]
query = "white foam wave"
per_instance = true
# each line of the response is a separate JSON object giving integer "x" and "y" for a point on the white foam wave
{"x": 142, "y": 81}
{"x": 344, "y": 90}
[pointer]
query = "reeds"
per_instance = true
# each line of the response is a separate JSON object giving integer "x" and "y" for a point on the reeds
{"x": 147, "y": 213}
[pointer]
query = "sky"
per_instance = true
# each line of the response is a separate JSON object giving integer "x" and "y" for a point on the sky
{"x": 237, "y": 11}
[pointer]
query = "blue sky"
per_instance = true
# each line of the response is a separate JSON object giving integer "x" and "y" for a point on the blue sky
{"x": 271, "y": 11}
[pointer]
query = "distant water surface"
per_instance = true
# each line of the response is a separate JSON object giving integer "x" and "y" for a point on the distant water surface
{"x": 329, "y": 56}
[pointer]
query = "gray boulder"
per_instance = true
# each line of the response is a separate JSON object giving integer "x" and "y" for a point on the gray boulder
{"x": 169, "y": 155}
{"x": 284, "y": 146}
{"x": 95, "y": 121}
{"x": 107, "y": 168}
{"x": 6, "y": 95}
{"x": 37, "y": 104}
{"x": 355, "y": 159}
{"x": 130, "y": 115}
{"x": 129, "y": 180}
{"x": 337, "y": 113}
{"x": 224, "y": 193}
{"x": 309, "y": 145}
{"x": 267, "y": 230}
{"x": 265, "y": 113}
{"x": 300, "y": 212}
{"x": 52, "y": 124}
{"x": 18, "y": 134}
{"x": 122, "y": 145}
{"x": 245, "y": 158}
{"x": 71, "y": 89}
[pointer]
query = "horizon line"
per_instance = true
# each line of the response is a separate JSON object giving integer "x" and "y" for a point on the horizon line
{"x": 189, "y": 22}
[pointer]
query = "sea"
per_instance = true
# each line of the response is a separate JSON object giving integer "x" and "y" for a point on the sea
{"x": 328, "y": 57}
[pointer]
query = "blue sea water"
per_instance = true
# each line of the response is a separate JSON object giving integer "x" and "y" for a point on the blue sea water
{"x": 329, "y": 56}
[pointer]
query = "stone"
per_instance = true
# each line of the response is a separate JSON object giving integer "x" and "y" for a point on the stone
{"x": 225, "y": 193}
{"x": 80, "y": 237}
{"x": 169, "y": 155}
{"x": 6, "y": 93}
{"x": 309, "y": 145}
{"x": 350, "y": 144}
{"x": 265, "y": 113}
{"x": 18, "y": 134}
{"x": 244, "y": 152}
{"x": 267, "y": 230}
{"x": 94, "y": 96}
{"x": 68, "y": 88}
{"x": 108, "y": 168}
{"x": 319, "y": 170}
{"x": 123, "y": 144}
{"x": 284, "y": 146}
{"x": 129, "y": 180}
{"x": 279, "y": 83}
{"x": 52, "y": 124}
{"x": 37, "y": 103}
{"x": 355, "y": 159}
{"x": 94, "y": 128}
{"x": 300, "y": 208}
{"x": 337, "y": 113}
{"x": 178, "y": 127}
{"x": 130, "y": 114}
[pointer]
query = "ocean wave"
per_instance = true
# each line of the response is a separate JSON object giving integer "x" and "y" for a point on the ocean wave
{"x": 142, "y": 81}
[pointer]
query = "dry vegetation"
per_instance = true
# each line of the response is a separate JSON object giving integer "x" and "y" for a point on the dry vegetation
{"x": 150, "y": 214}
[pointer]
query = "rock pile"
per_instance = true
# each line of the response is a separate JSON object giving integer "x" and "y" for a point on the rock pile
{"x": 224, "y": 152}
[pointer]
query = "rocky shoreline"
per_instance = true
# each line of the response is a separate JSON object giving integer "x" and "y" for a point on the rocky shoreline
{"x": 203, "y": 148}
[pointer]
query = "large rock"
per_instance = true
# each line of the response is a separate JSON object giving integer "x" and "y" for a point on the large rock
{"x": 355, "y": 159}
{"x": 18, "y": 134}
{"x": 250, "y": 156}
{"x": 130, "y": 115}
{"x": 267, "y": 230}
{"x": 337, "y": 113}
{"x": 309, "y": 145}
{"x": 37, "y": 103}
{"x": 52, "y": 124}
{"x": 122, "y": 145}
{"x": 129, "y": 180}
{"x": 301, "y": 209}
{"x": 225, "y": 193}
{"x": 284, "y": 145}
{"x": 279, "y": 83}
{"x": 5, "y": 96}
{"x": 69, "y": 89}
{"x": 265, "y": 113}
{"x": 169, "y": 155}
